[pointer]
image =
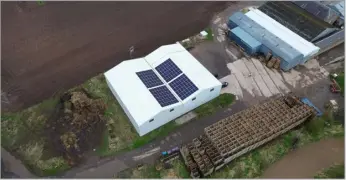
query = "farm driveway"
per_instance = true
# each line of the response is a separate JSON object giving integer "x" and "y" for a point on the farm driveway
{"x": 308, "y": 160}
{"x": 251, "y": 81}
{"x": 14, "y": 165}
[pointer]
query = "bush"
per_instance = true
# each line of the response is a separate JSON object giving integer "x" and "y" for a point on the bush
{"x": 340, "y": 79}
{"x": 53, "y": 166}
{"x": 210, "y": 34}
{"x": 315, "y": 126}
{"x": 336, "y": 172}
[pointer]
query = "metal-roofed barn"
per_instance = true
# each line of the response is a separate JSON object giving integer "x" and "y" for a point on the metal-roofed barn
{"x": 319, "y": 10}
{"x": 298, "y": 20}
{"x": 339, "y": 7}
{"x": 289, "y": 56}
{"x": 160, "y": 87}
{"x": 300, "y": 44}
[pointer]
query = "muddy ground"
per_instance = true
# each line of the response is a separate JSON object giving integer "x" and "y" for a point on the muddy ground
{"x": 49, "y": 48}
{"x": 309, "y": 160}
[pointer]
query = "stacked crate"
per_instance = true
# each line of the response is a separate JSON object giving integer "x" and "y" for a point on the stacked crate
{"x": 212, "y": 152}
{"x": 244, "y": 131}
{"x": 189, "y": 162}
{"x": 204, "y": 164}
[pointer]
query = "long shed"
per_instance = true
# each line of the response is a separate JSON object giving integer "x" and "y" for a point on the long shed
{"x": 289, "y": 56}
{"x": 319, "y": 10}
{"x": 339, "y": 7}
{"x": 300, "y": 44}
{"x": 297, "y": 19}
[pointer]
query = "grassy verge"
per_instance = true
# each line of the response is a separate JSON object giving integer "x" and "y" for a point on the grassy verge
{"x": 160, "y": 132}
{"x": 335, "y": 172}
{"x": 211, "y": 107}
{"x": 178, "y": 170}
{"x": 137, "y": 142}
{"x": 22, "y": 134}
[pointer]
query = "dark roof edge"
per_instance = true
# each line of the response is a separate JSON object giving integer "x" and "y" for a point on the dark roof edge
{"x": 308, "y": 15}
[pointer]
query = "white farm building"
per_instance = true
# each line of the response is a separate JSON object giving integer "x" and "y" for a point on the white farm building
{"x": 161, "y": 86}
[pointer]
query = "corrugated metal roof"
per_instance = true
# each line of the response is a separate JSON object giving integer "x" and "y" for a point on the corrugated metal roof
{"x": 278, "y": 47}
{"x": 295, "y": 19}
{"x": 246, "y": 37}
{"x": 339, "y": 7}
{"x": 331, "y": 40}
{"x": 300, "y": 44}
{"x": 319, "y": 10}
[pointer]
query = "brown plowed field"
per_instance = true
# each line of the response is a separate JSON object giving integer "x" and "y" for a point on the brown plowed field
{"x": 50, "y": 48}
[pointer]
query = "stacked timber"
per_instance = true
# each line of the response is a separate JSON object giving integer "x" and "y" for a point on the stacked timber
{"x": 244, "y": 131}
{"x": 189, "y": 162}
{"x": 212, "y": 152}
{"x": 253, "y": 127}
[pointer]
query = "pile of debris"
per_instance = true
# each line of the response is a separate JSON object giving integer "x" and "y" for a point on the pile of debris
{"x": 77, "y": 125}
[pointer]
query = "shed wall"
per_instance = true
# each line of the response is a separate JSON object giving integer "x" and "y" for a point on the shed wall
{"x": 166, "y": 116}
{"x": 204, "y": 96}
{"x": 331, "y": 40}
{"x": 160, "y": 119}
{"x": 245, "y": 40}
{"x": 133, "y": 121}
{"x": 231, "y": 24}
{"x": 264, "y": 49}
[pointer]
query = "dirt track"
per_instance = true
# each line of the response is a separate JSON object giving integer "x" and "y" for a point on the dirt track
{"x": 307, "y": 161}
{"x": 48, "y": 49}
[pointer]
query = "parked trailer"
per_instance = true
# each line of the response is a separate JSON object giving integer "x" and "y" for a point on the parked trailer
{"x": 244, "y": 131}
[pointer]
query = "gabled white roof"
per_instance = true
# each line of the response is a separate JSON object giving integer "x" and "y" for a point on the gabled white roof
{"x": 132, "y": 92}
{"x": 300, "y": 44}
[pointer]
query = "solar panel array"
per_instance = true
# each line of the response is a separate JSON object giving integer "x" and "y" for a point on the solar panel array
{"x": 149, "y": 78}
{"x": 168, "y": 70}
{"x": 163, "y": 96}
{"x": 183, "y": 86}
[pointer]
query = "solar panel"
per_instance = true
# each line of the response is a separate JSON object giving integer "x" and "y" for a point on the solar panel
{"x": 183, "y": 86}
{"x": 149, "y": 78}
{"x": 168, "y": 70}
{"x": 163, "y": 96}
